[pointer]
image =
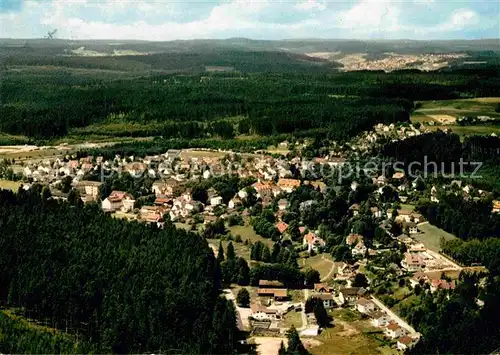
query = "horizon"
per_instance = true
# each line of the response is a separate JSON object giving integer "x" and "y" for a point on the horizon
{"x": 311, "y": 39}
{"x": 169, "y": 20}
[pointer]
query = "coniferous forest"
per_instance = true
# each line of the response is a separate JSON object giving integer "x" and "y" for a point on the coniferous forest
{"x": 120, "y": 287}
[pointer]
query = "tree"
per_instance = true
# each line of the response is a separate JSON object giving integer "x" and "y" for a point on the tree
{"x": 311, "y": 276}
{"x": 220, "y": 254}
{"x": 320, "y": 314}
{"x": 46, "y": 193}
{"x": 295, "y": 346}
{"x": 74, "y": 198}
{"x": 243, "y": 298}
{"x": 360, "y": 280}
{"x": 230, "y": 252}
{"x": 266, "y": 254}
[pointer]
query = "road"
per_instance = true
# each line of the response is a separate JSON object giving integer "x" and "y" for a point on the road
{"x": 394, "y": 316}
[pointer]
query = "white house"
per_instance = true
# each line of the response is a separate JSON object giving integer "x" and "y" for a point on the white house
{"x": 242, "y": 194}
{"x": 360, "y": 249}
{"x": 364, "y": 306}
{"x": 393, "y": 330}
{"x": 379, "y": 319}
{"x": 118, "y": 200}
{"x": 261, "y": 313}
{"x": 215, "y": 201}
{"x": 405, "y": 343}
{"x": 327, "y": 298}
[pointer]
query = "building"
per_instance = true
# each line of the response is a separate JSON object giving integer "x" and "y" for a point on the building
{"x": 282, "y": 227}
{"x": 403, "y": 216}
{"x": 438, "y": 284}
{"x": 270, "y": 284}
{"x": 322, "y": 288}
{"x": 349, "y": 295}
{"x": 412, "y": 228}
{"x": 419, "y": 278}
{"x": 360, "y": 249}
{"x": 282, "y": 204}
{"x": 405, "y": 343}
{"x": 364, "y": 306}
{"x": 118, "y": 200}
{"x": 393, "y": 330}
{"x": 262, "y": 313}
{"x": 352, "y": 239}
{"x": 327, "y": 299}
{"x": 379, "y": 319}
{"x": 312, "y": 242}
{"x": 89, "y": 188}
{"x": 215, "y": 201}
{"x": 288, "y": 185}
{"x": 413, "y": 262}
{"x": 496, "y": 206}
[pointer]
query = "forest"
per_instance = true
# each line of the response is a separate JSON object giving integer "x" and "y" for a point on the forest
{"x": 122, "y": 287}
{"x": 222, "y": 105}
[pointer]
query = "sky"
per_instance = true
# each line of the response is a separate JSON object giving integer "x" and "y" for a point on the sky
{"x": 163, "y": 20}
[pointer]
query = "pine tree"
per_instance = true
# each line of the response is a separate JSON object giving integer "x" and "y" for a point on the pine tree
{"x": 266, "y": 255}
{"x": 220, "y": 254}
{"x": 295, "y": 345}
{"x": 230, "y": 252}
{"x": 243, "y": 298}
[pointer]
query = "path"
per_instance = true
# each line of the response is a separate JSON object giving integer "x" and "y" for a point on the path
{"x": 394, "y": 316}
{"x": 331, "y": 270}
{"x": 242, "y": 314}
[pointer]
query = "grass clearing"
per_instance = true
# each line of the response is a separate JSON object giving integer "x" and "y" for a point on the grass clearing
{"x": 353, "y": 337}
{"x": 240, "y": 249}
{"x": 292, "y": 318}
{"x": 431, "y": 236}
{"x": 10, "y": 185}
{"x": 247, "y": 232}
{"x": 320, "y": 262}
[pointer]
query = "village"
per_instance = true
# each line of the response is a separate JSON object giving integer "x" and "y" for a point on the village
{"x": 399, "y": 258}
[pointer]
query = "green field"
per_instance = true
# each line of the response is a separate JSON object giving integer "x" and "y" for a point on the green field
{"x": 247, "y": 232}
{"x": 324, "y": 266}
{"x": 443, "y": 112}
{"x": 431, "y": 236}
{"x": 10, "y": 185}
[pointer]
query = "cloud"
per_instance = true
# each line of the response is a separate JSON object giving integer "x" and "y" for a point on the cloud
{"x": 269, "y": 19}
{"x": 310, "y": 5}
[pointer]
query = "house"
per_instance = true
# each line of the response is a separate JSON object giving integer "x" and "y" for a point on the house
{"x": 388, "y": 213}
{"x": 288, "y": 185}
{"x": 405, "y": 343}
{"x": 313, "y": 242}
{"x": 364, "y": 306}
{"x": 243, "y": 193}
{"x": 270, "y": 284}
{"x": 349, "y": 295}
{"x": 163, "y": 200}
{"x": 404, "y": 215}
{"x": 418, "y": 278}
{"x": 282, "y": 204}
{"x": 398, "y": 175}
{"x": 344, "y": 269}
{"x": 215, "y": 201}
{"x": 393, "y": 330}
{"x": 376, "y": 212}
{"x": 379, "y": 319}
{"x": 319, "y": 185}
{"x": 118, "y": 200}
{"x": 262, "y": 313}
{"x": 438, "y": 284}
{"x": 352, "y": 239}
{"x": 279, "y": 294}
{"x": 354, "y": 209}
{"x": 327, "y": 298}
{"x": 496, "y": 206}
{"x": 235, "y": 202}
{"x": 166, "y": 187}
{"x": 282, "y": 227}
{"x": 381, "y": 180}
{"x": 89, "y": 188}
{"x": 412, "y": 228}
{"x": 412, "y": 262}
{"x": 360, "y": 249}
{"x": 322, "y": 288}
